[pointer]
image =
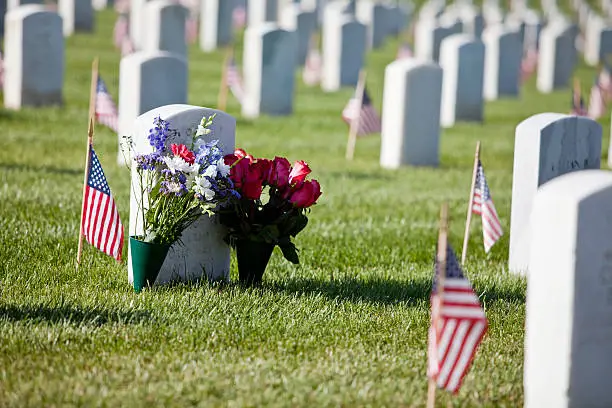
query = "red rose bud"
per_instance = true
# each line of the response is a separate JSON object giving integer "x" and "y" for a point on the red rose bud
{"x": 252, "y": 185}
{"x": 183, "y": 152}
{"x": 299, "y": 172}
{"x": 263, "y": 166}
{"x": 305, "y": 194}
{"x": 279, "y": 173}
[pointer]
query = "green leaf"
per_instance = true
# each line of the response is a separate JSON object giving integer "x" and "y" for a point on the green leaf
{"x": 290, "y": 252}
{"x": 299, "y": 224}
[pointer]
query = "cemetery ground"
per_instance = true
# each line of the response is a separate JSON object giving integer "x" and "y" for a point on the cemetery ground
{"x": 347, "y": 327}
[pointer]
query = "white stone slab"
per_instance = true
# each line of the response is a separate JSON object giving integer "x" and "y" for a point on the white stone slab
{"x": 568, "y": 339}
{"x": 165, "y": 27}
{"x": 262, "y": 11}
{"x": 503, "y": 57}
{"x": 215, "y": 24}
{"x": 77, "y": 15}
{"x": 411, "y": 114}
{"x": 12, "y": 4}
{"x": 203, "y": 254}
{"x": 148, "y": 80}
{"x": 555, "y": 58}
{"x": 343, "y": 49}
{"x": 33, "y": 57}
{"x": 136, "y": 16}
{"x": 546, "y": 145}
{"x": 269, "y": 70}
{"x": 304, "y": 23}
{"x": 462, "y": 60}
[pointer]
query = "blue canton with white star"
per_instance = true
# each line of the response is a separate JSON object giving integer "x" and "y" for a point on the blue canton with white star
{"x": 481, "y": 182}
{"x": 452, "y": 268}
{"x": 96, "y": 177}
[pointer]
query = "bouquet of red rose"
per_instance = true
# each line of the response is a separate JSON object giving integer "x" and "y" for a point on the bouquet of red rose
{"x": 269, "y": 216}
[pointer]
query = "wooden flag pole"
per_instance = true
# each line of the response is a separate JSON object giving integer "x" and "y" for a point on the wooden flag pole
{"x": 222, "y": 97}
{"x": 468, "y": 220}
{"x": 354, "y": 127}
{"x": 90, "y": 133}
{"x": 440, "y": 273}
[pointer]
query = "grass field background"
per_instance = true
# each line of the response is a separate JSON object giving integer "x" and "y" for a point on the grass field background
{"x": 348, "y": 327}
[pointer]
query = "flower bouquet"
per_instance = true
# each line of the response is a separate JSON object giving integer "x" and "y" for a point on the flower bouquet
{"x": 259, "y": 218}
{"x": 177, "y": 184}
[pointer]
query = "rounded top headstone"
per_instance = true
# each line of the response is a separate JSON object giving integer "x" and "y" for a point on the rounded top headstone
{"x": 27, "y": 9}
{"x": 576, "y": 186}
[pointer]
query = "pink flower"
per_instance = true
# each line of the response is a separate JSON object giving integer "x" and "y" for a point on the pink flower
{"x": 239, "y": 153}
{"x": 299, "y": 172}
{"x": 183, "y": 152}
{"x": 305, "y": 194}
{"x": 278, "y": 176}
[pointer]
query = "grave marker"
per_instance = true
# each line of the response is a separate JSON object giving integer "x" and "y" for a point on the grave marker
{"x": 77, "y": 15}
{"x": 215, "y": 24}
{"x": 503, "y": 55}
{"x": 165, "y": 27}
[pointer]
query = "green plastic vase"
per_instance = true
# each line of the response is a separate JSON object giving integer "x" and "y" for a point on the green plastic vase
{"x": 253, "y": 257}
{"x": 147, "y": 260}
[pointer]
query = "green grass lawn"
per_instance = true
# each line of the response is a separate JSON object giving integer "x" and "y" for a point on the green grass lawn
{"x": 347, "y": 327}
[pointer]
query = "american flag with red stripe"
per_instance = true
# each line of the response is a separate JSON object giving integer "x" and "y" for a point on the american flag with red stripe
{"x": 101, "y": 224}
{"x": 529, "y": 63}
{"x": 121, "y": 30}
{"x": 578, "y": 108}
{"x": 106, "y": 111}
{"x": 482, "y": 205}
{"x": 605, "y": 82}
{"x": 312, "y": 68}
{"x": 597, "y": 100}
{"x": 239, "y": 17}
{"x": 191, "y": 30}
{"x": 234, "y": 81}
{"x": 404, "y": 51}
{"x": 368, "y": 120}
{"x": 458, "y": 324}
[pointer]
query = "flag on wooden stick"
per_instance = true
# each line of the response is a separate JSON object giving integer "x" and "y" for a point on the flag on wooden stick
{"x": 239, "y": 17}
{"x": 577, "y": 101}
{"x": 234, "y": 80}
{"x": 121, "y": 31}
{"x": 483, "y": 205}
{"x": 458, "y": 324}
{"x": 100, "y": 220}
{"x": 597, "y": 99}
{"x": 529, "y": 63}
{"x": 106, "y": 111}
{"x": 360, "y": 108}
{"x": 312, "y": 68}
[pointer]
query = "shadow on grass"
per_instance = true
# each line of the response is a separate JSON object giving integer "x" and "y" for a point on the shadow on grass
{"x": 43, "y": 169}
{"x": 76, "y": 315}
{"x": 382, "y": 291}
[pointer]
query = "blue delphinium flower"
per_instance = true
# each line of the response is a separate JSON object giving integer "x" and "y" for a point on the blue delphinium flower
{"x": 158, "y": 134}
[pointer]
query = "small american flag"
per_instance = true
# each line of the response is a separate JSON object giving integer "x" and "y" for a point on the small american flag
{"x": 577, "y": 103}
{"x": 605, "y": 82}
{"x": 101, "y": 225}
{"x": 529, "y": 63}
{"x": 369, "y": 121}
{"x": 106, "y": 111}
{"x": 239, "y": 17}
{"x": 121, "y": 30}
{"x": 482, "y": 205}
{"x": 312, "y": 68}
{"x": 458, "y": 324}
{"x": 234, "y": 81}
{"x": 404, "y": 51}
{"x": 191, "y": 30}
{"x": 597, "y": 103}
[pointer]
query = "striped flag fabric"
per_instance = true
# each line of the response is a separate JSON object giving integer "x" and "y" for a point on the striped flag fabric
{"x": 101, "y": 224}
{"x": 312, "y": 68}
{"x": 529, "y": 63}
{"x": 482, "y": 205}
{"x": 121, "y": 30}
{"x": 404, "y": 51}
{"x": 191, "y": 30}
{"x": 597, "y": 102}
{"x": 239, "y": 17}
{"x": 578, "y": 108}
{"x": 605, "y": 82}
{"x": 369, "y": 121}
{"x": 234, "y": 81}
{"x": 458, "y": 324}
{"x": 106, "y": 111}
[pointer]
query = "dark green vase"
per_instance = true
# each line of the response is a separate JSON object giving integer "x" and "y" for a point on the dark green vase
{"x": 253, "y": 257}
{"x": 147, "y": 260}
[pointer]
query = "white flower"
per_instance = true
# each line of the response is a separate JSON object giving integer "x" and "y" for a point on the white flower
{"x": 202, "y": 187}
{"x": 202, "y": 130}
{"x": 173, "y": 187}
{"x": 177, "y": 164}
{"x": 211, "y": 171}
{"x": 223, "y": 168}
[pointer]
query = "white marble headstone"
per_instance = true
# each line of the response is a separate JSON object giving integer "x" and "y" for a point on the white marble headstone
{"x": 555, "y": 58}
{"x": 546, "y": 145}
{"x": 165, "y": 27}
{"x": 294, "y": 18}
{"x": 262, "y": 11}
{"x": 568, "y": 337}
{"x": 215, "y": 24}
{"x": 503, "y": 55}
{"x": 462, "y": 60}
{"x": 596, "y": 41}
{"x": 77, "y": 15}
{"x": 137, "y": 21}
{"x": 269, "y": 70}
{"x": 411, "y": 114}
{"x": 343, "y": 49}
{"x": 148, "y": 80}
{"x": 203, "y": 254}
{"x": 33, "y": 57}
{"x": 12, "y": 4}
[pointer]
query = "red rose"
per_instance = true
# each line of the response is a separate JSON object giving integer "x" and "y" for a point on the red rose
{"x": 238, "y": 172}
{"x": 305, "y": 194}
{"x": 183, "y": 152}
{"x": 299, "y": 172}
{"x": 279, "y": 173}
{"x": 255, "y": 176}
{"x": 239, "y": 153}
{"x": 264, "y": 166}
{"x": 230, "y": 159}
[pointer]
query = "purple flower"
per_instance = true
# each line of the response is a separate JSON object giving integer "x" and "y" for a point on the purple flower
{"x": 158, "y": 134}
